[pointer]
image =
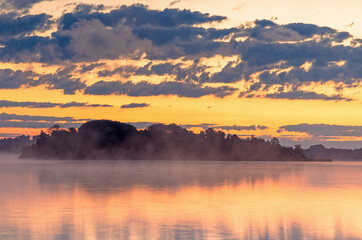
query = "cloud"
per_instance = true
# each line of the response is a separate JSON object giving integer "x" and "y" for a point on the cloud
{"x": 87, "y": 68}
{"x": 300, "y": 95}
{"x": 91, "y": 33}
{"x": 324, "y": 130}
{"x": 19, "y": 4}
{"x": 174, "y": 2}
{"x": 5, "y": 104}
{"x": 138, "y": 15}
{"x": 241, "y": 128}
{"x": 13, "y": 25}
{"x": 202, "y": 125}
{"x": 27, "y": 121}
{"x": 165, "y": 88}
{"x": 91, "y": 40}
{"x": 226, "y": 127}
{"x": 309, "y": 30}
{"x": 62, "y": 79}
{"x": 258, "y": 55}
{"x": 124, "y": 71}
{"x": 162, "y": 36}
{"x": 10, "y": 79}
{"x": 348, "y": 73}
{"x": 37, "y": 125}
{"x": 31, "y": 49}
{"x": 88, "y": 34}
{"x": 8, "y": 117}
{"x": 182, "y": 72}
{"x": 135, "y": 105}
{"x": 141, "y": 125}
{"x": 266, "y": 30}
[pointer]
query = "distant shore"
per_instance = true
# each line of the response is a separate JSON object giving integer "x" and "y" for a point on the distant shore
{"x": 106, "y": 139}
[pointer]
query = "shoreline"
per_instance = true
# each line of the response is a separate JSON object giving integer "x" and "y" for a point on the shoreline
{"x": 176, "y": 160}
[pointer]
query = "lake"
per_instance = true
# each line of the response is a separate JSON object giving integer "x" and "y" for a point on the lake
{"x": 179, "y": 200}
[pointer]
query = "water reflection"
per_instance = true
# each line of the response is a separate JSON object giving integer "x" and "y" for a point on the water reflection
{"x": 206, "y": 200}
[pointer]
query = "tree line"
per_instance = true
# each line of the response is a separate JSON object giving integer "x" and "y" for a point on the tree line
{"x": 105, "y": 139}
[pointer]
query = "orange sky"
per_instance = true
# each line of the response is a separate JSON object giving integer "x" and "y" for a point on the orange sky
{"x": 227, "y": 110}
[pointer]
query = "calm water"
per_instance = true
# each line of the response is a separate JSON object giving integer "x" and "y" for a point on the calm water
{"x": 180, "y": 200}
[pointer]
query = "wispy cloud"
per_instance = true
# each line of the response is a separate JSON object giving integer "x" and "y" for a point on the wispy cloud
{"x": 144, "y": 88}
{"x": 136, "y": 105}
{"x": 5, "y": 104}
{"x": 30, "y": 121}
{"x": 324, "y": 130}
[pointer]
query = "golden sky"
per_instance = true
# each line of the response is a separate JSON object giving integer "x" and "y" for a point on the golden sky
{"x": 290, "y": 69}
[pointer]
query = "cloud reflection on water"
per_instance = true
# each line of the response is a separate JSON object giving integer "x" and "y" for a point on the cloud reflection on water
{"x": 207, "y": 200}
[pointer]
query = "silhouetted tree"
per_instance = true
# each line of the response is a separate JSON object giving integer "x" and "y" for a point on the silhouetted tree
{"x": 16, "y": 144}
{"x": 105, "y": 139}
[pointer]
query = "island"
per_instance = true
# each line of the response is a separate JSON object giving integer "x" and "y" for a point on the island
{"x": 112, "y": 140}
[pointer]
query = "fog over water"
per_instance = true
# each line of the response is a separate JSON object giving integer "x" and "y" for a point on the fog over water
{"x": 179, "y": 200}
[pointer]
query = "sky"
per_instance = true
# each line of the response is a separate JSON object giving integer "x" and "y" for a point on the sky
{"x": 286, "y": 69}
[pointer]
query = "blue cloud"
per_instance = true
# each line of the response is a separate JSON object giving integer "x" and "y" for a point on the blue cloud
{"x": 324, "y": 130}
{"x": 135, "y": 105}
{"x": 6, "y": 104}
{"x": 165, "y": 88}
{"x": 138, "y": 15}
{"x": 18, "y": 4}
{"x": 12, "y": 25}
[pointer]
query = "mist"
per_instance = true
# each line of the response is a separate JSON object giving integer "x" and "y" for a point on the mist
{"x": 110, "y": 140}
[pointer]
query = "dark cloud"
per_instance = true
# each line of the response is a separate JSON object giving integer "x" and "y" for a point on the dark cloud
{"x": 232, "y": 72}
{"x": 186, "y": 73}
{"x": 12, "y": 25}
{"x": 324, "y": 130}
{"x": 165, "y": 88}
{"x": 10, "y": 79}
{"x": 301, "y": 95}
{"x": 309, "y": 30}
{"x": 5, "y": 104}
{"x": 347, "y": 73}
{"x": 258, "y": 55}
{"x": 18, "y": 4}
{"x": 124, "y": 71}
{"x": 264, "y": 23}
{"x": 266, "y": 30}
{"x": 241, "y": 128}
{"x": 87, "y": 68}
{"x": 163, "y": 36}
{"x": 206, "y": 126}
{"x": 138, "y": 15}
{"x": 88, "y": 34}
{"x": 76, "y": 104}
{"x": 174, "y": 2}
{"x": 92, "y": 40}
{"x": 226, "y": 128}
{"x": 135, "y": 105}
{"x": 202, "y": 125}
{"x": 32, "y": 124}
{"x": 31, "y": 49}
{"x": 62, "y": 79}
{"x": 27, "y": 121}
{"x": 9, "y": 117}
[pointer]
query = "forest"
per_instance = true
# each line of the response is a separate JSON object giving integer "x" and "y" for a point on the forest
{"x": 112, "y": 140}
